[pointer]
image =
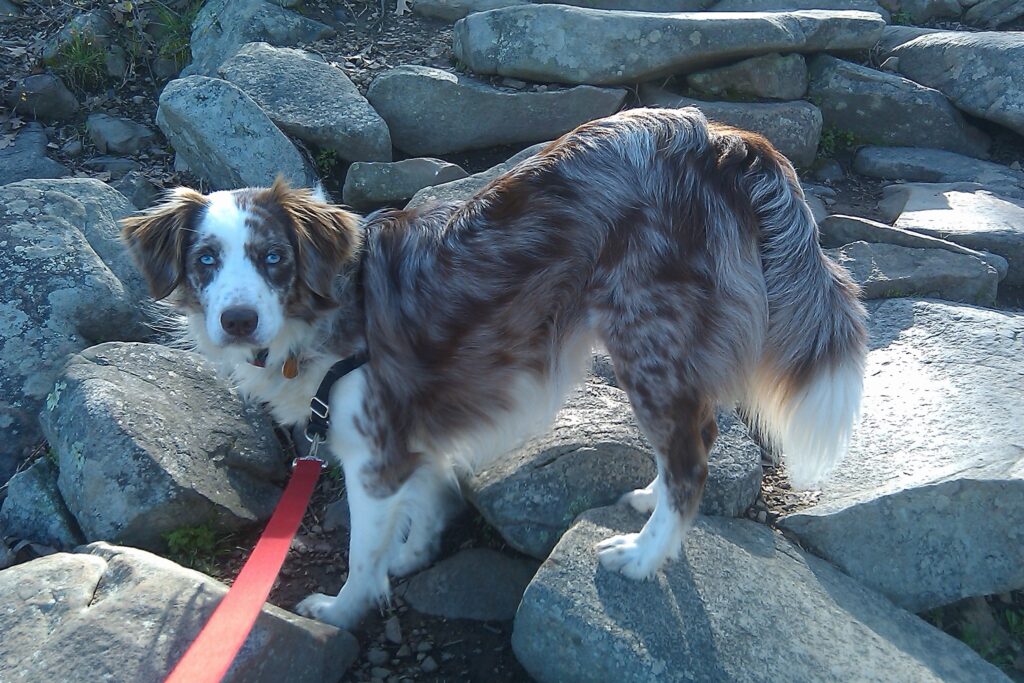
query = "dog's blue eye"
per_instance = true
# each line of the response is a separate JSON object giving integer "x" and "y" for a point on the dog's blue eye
{"x": 207, "y": 259}
{"x": 273, "y": 258}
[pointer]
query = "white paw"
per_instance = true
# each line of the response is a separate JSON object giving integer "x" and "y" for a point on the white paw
{"x": 626, "y": 554}
{"x": 641, "y": 500}
{"x": 325, "y": 608}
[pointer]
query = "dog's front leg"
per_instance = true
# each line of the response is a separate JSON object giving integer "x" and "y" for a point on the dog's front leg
{"x": 373, "y": 530}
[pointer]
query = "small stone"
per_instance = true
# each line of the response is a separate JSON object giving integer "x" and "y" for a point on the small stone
{"x": 336, "y": 516}
{"x": 43, "y": 96}
{"x": 1015, "y": 166}
{"x": 377, "y": 657}
{"x": 379, "y": 673}
{"x": 425, "y": 646}
{"x": 403, "y": 651}
{"x": 393, "y": 630}
{"x": 762, "y": 516}
{"x": 73, "y": 148}
{"x": 428, "y": 665}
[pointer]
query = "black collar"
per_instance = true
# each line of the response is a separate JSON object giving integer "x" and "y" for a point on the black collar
{"x": 319, "y": 406}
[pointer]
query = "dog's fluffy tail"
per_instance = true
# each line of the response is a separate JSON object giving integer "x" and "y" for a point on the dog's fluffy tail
{"x": 805, "y": 392}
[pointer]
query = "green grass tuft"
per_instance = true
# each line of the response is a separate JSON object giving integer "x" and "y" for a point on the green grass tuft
{"x": 81, "y": 63}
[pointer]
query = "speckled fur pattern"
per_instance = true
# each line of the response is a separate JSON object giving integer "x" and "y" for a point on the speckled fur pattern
{"x": 685, "y": 248}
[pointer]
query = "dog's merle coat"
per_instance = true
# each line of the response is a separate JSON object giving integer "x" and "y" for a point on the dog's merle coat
{"x": 684, "y": 248}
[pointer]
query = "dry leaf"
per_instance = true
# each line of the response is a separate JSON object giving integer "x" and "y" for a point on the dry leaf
{"x": 6, "y": 140}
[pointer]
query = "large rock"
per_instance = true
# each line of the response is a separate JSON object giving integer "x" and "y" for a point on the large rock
{"x": 26, "y": 157}
{"x": 453, "y": 10}
{"x": 478, "y": 583}
{"x": 43, "y": 97}
{"x": 926, "y": 506}
{"x": 967, "y": 214}
{"x": 936, "y": 166}
{"x": 994, "y": 13}
{"x": 310, "y": 100}
{"x": 148, "y": 441}
{"x": 741, "y": 604}
{"x": 369, "y": 184}
{"x": 67, "y": 284}
{"x": 35, "y": 511}
{"x": 838, "y": 230}
{"x": 793, "y": 127}
{"x": 886, "y": 271}
{"x": 575, "y": 45}
{"x": 223, "y": 26}
{"x": 926, "y": 11}
{"x": 122, "y": 614}
{"x": 885, "y": 109}
{"x": 224, "y": 136}
{"x": 595, "y": 453}
{"x": 982, "y": 73}
{"x": 789, "y": 5}
{"x": 431, "y": 111}
{"x": 771, "y": 76}
{"x": 461, "y": 190}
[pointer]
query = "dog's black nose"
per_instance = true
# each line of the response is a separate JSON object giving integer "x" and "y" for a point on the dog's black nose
{"x": 239, "y": 321}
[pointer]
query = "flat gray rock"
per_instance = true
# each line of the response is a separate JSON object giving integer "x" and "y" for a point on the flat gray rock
{"x": 968, "y": 215}
{"x": 224, "y": 26}
{"x": 372, "y": 184}
{"x": 115, "y": 135}
{"x": 773, "y": 76}
{"x": 926, "y": 506}
{"x": 461, "y": 190}
{"x": 838, "y": 230}
{"x": 478, "y": 583}
{"x": 794, "y": 128}
{"x": 224, "y": 136}
{"x": 35, "y": 511}
{"x": 26, "y": 157}
{"x": 310, "y": 100}
{"x": 936, "y": 166}
{"x": 593, "y": 454}
{"x": 741, "y": 604}
{"x": 885, "y": 109}
{"x": 887, "y": 271}
{"x": 432, "y": 111}
{"x": 148, "y": 441}
{"x": 121, "y": 614}
{"x": 981, "y": 72}
{"x": 67, "y": 284}
{"x": 576, "y": 45}
{"x": 43, "y": 97}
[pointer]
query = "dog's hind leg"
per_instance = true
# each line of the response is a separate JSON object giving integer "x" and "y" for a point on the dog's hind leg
{"x": 430, "y": 497}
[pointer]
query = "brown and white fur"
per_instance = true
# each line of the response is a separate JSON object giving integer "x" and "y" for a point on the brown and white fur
{"x": 684, "y": 247}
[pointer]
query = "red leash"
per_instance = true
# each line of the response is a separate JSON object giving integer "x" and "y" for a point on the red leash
{"x": 214, "y": 649}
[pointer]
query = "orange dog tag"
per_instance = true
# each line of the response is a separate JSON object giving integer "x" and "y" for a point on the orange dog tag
{"x": 290, "y": 368}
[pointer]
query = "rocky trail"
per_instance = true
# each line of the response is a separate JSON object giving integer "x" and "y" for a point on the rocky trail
{"x": 133, "y": 482}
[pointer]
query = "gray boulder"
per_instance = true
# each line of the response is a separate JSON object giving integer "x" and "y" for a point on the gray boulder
{"x": 741, "y": 604}
{"x": 936, "y": 166}
{"x": 139, "y": 190}
{"x": 34, "y": 510}
{"x": 838, "y": 230}
{"x": 461, "y": 190}
{"x": 994, "y": 13}
{"x": 223, "y": 26}
{"x": 67, "y": 284}
{"x": 886, "y": 271}
{"x": 926, "y": 11}
{"x": 885, "y": 109}
{"x": 794, "y": 128}
{"x": 576, "y": 45}
{"x": 453, "y": 10}
{"x": 148, "y": 441}
{"x": 224, "y": 136}
{"x": 369, "y": 184}
{"x": 95, "y": 25}
{"x": 26, "y": 157}
{"x": 593, "y": 454}
{"x": 982, "y": 73}
{"x": 118, "y": 136}
{"x": 478, "y": 583}
{"x": 310, "y": 100}
{"x": 967, "y": 214}
{"x": 772, "y": 76}
{"x": 43, "y": 97}
{"x": 122, "y": 614}
{"x": 926, "y": 506}
{"x": 431, "y": 111}
{"x": 789, "y": 5}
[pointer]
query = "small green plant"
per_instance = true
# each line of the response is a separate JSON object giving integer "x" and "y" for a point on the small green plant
{"x": 193, "y": 546}
{"x": 834, "y": 140}
{"x": 901, "y": 18}
{"x": 326, "y": 160}
{"x": 81, "y": 63}
{"x": 177, "y": 27}
{"x": 51, "y": 455}
{"x": 1015, "y": 624}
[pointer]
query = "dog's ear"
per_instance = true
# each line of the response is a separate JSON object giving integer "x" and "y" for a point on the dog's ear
{"x": 326, "y": 237}
{"x": 158, "y": 239}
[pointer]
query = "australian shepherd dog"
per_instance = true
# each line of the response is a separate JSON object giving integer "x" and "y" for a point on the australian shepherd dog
{"x": 684, "y": 248}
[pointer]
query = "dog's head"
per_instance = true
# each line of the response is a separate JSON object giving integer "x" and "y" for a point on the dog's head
{"x": 246, "y": 261}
